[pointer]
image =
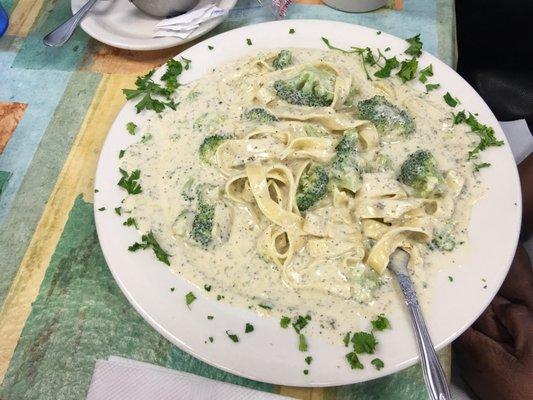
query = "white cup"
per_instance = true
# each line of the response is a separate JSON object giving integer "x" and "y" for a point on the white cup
{"x": 356, "y": 5}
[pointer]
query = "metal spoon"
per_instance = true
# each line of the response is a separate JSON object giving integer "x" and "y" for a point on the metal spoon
{"x": 436, "y": 383}
{"x": 59, "y": 36}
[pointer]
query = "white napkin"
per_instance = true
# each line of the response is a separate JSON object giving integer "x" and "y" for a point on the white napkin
{"x": 183, "y": 25}
{"x": 519, "y": 137}
{"x": 122, "y": 379}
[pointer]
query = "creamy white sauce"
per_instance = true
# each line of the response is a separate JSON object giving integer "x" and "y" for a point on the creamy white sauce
{"x": 168, "y": 157}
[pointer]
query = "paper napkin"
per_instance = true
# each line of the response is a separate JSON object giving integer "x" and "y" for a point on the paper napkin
{"x": 119, "y": 378}
{"x": 183, "y": 25}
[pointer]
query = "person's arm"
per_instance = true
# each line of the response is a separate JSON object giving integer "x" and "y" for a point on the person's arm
{"x": 495, "y": 355}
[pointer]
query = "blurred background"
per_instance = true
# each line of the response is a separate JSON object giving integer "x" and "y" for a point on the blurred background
{"x": 495, "y": 50}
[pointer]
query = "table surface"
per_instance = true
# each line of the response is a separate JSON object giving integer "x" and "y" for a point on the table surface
{"x": 61, "y": 309}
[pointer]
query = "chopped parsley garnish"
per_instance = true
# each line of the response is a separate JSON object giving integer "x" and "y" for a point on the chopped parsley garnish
{"x": 367, "y": 57}
{"x": 131, "y": 222}
{"x": 432, "y": 86}
{"x": 101, "y": 209}
{"x": 170, "y": 77}
{"x": 220, "y": 296}
{"x": 301, "y": 322}
{"x": 424, "y": 73}
{"x": 381, "y": 323}
{"x": 364, "y": 342}
{"x": 378, "y": 33}
{"x": 284, "y": 322}
{"x": 210, "y": 47}
{"x": 172, "y": 289}
{"x": 346, "y": 339}
{"x": 385, "y": 71}
{"x": 450, "y": 278}
{"x": 265, "y": 306}
{"x": 149, "y": 240}
{"x": 146, "y": 138}
{"x": 291, "y": 31}
{"x": 461, "y": 117}
{"x": 96, "y": 190}
{"x": 207, "y": 288}
{"x": 482, "y": 165}
{"x": 147, "y": 89}
{"x": 376, "y": 362}
{"x": 408, "y": 69}
{"x": 450, "y": 100}
{"x": 189, "y": 299}
{"x": 485, "y": 133}
{"x": 131, "y": 127}
{"x": 302, "y": 342}
{"x": 353, "y": 360}
{"x": 248, "y": 41}
{"x": 248, "y": 328}
{"x": 130, "y": 181}
{"x": 210, "y": 317}
{"x": 233, "y": 337}
{"x": 415, "y": 46}
{"x": 306, "y": 372}
{"x": 211, "y": 339}
{"x": 121, "y": 153}
{"x": 186, "y": 63}
{"x": 118, "y": 210}
{"x": 308, "y": 360}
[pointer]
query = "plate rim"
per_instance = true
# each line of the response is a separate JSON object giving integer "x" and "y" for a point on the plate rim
{"x": 398, "y": 367}
{"x": 159, "y": 43}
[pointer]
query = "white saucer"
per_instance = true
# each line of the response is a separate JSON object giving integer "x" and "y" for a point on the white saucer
{"x": 119, "y": 23}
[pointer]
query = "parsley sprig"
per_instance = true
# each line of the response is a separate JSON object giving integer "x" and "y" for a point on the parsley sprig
{"x": 152, "y": 95}
{"x": 407, "y": 68}
{"x": 485, "y": 133}
{"x": 189, "y": 299}
{"x": 147, "y": 241}
{"x": 367, "y": 57}
{"x": 365, "y": 343}
{"x": 415, "y": 46}
{"x": 130, "y": 182}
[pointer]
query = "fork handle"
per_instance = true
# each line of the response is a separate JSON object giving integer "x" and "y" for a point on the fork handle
{"x": 436, "y": 382}
{"x": 59, "y": 36}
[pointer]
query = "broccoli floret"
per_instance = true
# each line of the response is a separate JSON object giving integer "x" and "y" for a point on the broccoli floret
{"x": 444, "y": 241}
{"x": 209, "y": 147}
{"x": 419, "y": 172}
{"x": 346, "y": 167}
{"x": 202, "y": 224}
{"x": 312, "y": 187}
{"x": 386, "y": 117}
{"x": 312, "y": 87}
{"x": 282, "y": 60}
{"x": 259, "y": 114}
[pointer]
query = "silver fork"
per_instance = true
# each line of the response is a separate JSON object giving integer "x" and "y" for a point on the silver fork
{"x": 59, "y": 36}
{"x": 436, "y": 383}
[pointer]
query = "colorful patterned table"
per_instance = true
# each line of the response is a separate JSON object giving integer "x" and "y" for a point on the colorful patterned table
{"x": 60, "y": 308}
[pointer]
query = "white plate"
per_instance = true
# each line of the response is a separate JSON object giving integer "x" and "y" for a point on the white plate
{"x": 270, "y": 353}
{"x": 119, "y": 23}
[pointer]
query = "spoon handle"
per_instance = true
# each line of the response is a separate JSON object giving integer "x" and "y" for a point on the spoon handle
{"x": 59, "y": 36}
{"x": 436, "y": 382}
